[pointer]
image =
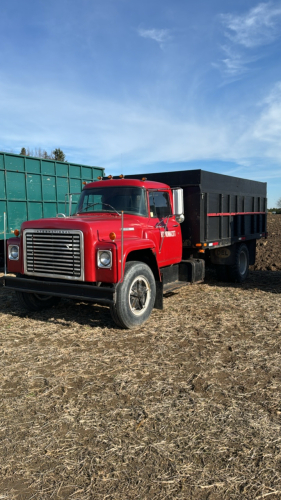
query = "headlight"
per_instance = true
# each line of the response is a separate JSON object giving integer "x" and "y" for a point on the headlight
{"x": 104, "y": 258}
{"x": 13, "y": 252}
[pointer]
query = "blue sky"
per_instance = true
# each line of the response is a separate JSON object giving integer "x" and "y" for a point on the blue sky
{"x": 145, "y": 86}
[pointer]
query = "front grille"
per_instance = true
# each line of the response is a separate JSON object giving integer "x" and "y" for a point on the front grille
{"x": 54, "y": 253}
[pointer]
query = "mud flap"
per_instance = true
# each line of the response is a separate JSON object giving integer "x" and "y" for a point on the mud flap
{"x": 158, "y": 304}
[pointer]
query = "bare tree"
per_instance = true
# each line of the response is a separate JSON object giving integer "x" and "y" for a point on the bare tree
{"x": 57, "y": 154}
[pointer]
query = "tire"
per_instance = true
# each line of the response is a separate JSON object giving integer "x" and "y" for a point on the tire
{"x": 135, "y": 296}
{"x": 36, "y": 302}
{"x": 239, "y": 271}
{"x": 115, "y": 316}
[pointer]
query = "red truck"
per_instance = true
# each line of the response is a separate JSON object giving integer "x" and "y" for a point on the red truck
{"x": 132, "y": 239}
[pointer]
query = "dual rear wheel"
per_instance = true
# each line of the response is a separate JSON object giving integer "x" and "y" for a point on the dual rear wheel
{"x": 239, "y": 270}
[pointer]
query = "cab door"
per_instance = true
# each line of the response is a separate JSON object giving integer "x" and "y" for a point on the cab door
{"x": 164, "y": 228}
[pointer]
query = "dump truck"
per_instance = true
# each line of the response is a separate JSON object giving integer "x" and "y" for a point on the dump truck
{"x": 32, "y": 188}
{"x": 133, "y": 239}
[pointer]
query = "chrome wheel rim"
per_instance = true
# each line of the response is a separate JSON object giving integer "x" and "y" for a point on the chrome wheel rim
{"x": 139, "y": 295}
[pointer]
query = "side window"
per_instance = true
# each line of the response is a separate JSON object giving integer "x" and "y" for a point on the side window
{"x": 159, "y": 204}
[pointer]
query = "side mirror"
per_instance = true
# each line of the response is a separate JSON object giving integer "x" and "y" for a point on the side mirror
{"x": 178, "y": 204}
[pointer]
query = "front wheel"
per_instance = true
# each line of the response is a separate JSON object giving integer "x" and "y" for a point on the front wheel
{"x": 35, "y": 301}
{"x": 135, "y": 296}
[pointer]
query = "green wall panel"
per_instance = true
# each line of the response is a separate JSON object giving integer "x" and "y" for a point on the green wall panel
{"x": 62, "y": 209}
{"x": 34, "y": 188}
{"x": 35, "y": 210}
{"x": 50, "y": 210}
{"x": 15, "y": 186}
{"x": 2, "y": 184}
{"x": 62, "y": 169}
{"x": 3, "y": 208}
{"x": 17, "y": 213}
{"x": 31, "y": 182}
{"x": 48, "y": 167}
{"x": 75, "y": 186}
{"x": 74, "y": 171}
{"x": 87, "y": 173}
{"x": 13, "y": 162}
{"x": 32, "y": 165}
{"x": 49, "y": 188}
{"x": 62, "y": 188}
{"x": 97, "y": 172}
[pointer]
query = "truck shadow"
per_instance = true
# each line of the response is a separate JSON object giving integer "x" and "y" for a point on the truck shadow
{"x": 266, "y": 281}
{"x": 70, "y": 312}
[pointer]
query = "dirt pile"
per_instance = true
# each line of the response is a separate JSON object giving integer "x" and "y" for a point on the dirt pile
{"x": 268, "y": 255}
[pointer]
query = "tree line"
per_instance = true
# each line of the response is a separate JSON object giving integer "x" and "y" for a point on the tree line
{"x": 57, "y": 154}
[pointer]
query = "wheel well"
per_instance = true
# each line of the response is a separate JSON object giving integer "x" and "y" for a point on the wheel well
{"x": 251, "y": 244}
{"x": 229, "y": 252}
{"x": 147, "y": 257}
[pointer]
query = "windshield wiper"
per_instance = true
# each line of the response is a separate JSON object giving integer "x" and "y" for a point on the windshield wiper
{"x": 99, "y": 203}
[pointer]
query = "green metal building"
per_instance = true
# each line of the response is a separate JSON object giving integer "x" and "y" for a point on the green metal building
{"x": 34, "y": 188}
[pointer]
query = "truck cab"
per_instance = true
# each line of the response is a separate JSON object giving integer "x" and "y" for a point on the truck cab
{"x": 124, "y": 236}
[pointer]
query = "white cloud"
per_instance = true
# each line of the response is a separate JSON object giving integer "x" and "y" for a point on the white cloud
{"x": 234, "y": 64}
{"x": 125, "y": 136}
{"x": 160, "y": 36}
{"x": 244, "y": 33}
{"x": 259, "y": 26}
{"x": 268, "y": 127}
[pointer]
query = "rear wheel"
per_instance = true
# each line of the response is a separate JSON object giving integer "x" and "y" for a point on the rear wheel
{"x": 36, "y": 302}
{"x": 239, "y": 271}
{"x": 135, "y": 296}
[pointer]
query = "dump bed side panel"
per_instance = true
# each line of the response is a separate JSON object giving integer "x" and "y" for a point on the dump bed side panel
{"x": 218, "y": 208}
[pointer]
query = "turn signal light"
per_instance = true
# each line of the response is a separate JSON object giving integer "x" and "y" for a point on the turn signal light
{"x": 112, "y": 236}
{"x": 201, "y": 251}
{"x": 121, "y": 176}
{"x": 109, "y": 176}
{"x": 16, "y": 232}
{"x": 198, "y": 245}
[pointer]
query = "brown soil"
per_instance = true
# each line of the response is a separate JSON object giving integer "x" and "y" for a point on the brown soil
{"x": 268, "y": 251}
{"x": 186, "y": 407}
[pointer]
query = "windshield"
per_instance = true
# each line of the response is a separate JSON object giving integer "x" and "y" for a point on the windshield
{"x": 131, "y": 200}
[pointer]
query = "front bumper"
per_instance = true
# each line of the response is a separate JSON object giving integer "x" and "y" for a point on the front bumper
{"x": 79, "y": 291}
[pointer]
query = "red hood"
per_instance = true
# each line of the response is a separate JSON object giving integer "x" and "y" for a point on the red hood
{"x": 98, "y": 226}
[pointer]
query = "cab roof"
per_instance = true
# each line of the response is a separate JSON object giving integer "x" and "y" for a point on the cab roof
{"x": 126, "y": 182}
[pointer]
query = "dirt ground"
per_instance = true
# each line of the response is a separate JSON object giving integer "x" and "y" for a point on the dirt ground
{"x": 268, "y": 251}
{"x": 186, "y": 407}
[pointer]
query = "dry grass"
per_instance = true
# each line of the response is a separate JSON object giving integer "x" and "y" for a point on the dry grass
{"x": 186, "y": 407}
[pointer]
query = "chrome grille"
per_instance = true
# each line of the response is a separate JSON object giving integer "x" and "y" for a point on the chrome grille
{"x": 54, "y": 253}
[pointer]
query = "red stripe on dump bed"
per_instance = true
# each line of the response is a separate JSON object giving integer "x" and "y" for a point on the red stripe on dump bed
{"x": 235, "y": 213}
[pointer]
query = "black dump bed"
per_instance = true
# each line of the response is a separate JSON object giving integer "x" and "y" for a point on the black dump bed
{"x": 218, "y": 208}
